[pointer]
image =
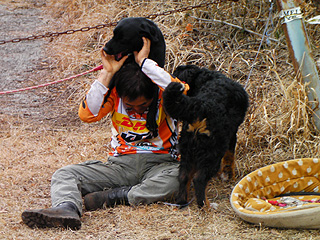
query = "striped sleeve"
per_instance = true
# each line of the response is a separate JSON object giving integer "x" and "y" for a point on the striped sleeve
{"x": 95, "y": 97}
{"x": 94, "y": 106}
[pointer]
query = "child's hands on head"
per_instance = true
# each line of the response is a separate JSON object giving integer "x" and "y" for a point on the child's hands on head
{"x": 144, "y": 52}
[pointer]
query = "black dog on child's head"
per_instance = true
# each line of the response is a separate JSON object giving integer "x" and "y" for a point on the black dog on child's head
{"x": 211, "y": 113}
{"x": 127, "y": 38}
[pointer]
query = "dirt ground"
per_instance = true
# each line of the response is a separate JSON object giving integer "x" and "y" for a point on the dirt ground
{"x": 18, "y": 61}
{"x": 26, "y": 63}
{"x": 40, "y": 132}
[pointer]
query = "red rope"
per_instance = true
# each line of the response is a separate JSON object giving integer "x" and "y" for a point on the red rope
{"x": 51, "y": 83}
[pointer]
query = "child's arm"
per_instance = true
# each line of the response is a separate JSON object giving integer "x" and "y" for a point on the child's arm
{"x": 157, "y": 74}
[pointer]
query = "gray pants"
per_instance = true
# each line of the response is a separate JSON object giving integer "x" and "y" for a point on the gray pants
{"x": 153, "y": 177}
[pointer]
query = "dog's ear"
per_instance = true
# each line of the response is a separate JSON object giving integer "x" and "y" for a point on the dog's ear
{"x": 149, "y": 30}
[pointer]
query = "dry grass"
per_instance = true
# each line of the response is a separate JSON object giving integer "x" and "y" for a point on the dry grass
{"x": 278, "y": 126}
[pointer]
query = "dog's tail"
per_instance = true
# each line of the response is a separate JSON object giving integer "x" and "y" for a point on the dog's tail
{"x": 241, "y": 99}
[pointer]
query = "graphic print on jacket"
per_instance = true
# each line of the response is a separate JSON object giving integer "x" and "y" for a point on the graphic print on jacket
{"x": 132, "y": 136}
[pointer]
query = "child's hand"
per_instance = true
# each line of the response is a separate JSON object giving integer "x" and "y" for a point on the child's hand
{"x": 144, "y": 52}
{"x": 109, "y": 62}
{"x": 110, "y": 67}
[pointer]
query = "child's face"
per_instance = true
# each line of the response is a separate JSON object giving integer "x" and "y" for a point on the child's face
{"x": 139, "y": 105}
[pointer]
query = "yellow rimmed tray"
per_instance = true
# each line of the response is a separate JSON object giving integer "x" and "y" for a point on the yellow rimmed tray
{"x": 255, "y": 200}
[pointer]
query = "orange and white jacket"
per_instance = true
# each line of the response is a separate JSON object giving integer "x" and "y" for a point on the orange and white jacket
{"x": 130, "y": 134}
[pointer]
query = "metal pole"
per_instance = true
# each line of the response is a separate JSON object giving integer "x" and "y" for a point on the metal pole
{"x": 300, "y": 52}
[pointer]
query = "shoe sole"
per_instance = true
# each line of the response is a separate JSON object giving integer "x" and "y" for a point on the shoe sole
{"x": 36, "y": 219}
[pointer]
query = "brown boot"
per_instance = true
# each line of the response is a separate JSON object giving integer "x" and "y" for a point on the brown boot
{"x": 109, "y": 198}
{"x": 65, "y": 215}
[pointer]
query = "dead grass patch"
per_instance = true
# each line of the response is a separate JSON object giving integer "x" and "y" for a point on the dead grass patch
{"x": 278, "y": 125}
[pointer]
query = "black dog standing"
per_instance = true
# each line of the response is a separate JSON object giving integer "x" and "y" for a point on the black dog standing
{"x": 211, "y": 113}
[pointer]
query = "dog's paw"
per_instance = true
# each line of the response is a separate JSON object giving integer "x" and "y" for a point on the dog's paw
{"x": 175, "y": 88}
{"x": 174, "y": 101}
{"x": 227, "y": 167}
{"x": 226, "y": 174}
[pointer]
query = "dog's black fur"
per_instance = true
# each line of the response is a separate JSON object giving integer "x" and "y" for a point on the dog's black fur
{"x": 211, "y": 113}
{"x": 127, "y": 38}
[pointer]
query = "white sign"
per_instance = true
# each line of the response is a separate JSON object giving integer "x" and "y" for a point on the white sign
{"x": 290, "y": 14}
